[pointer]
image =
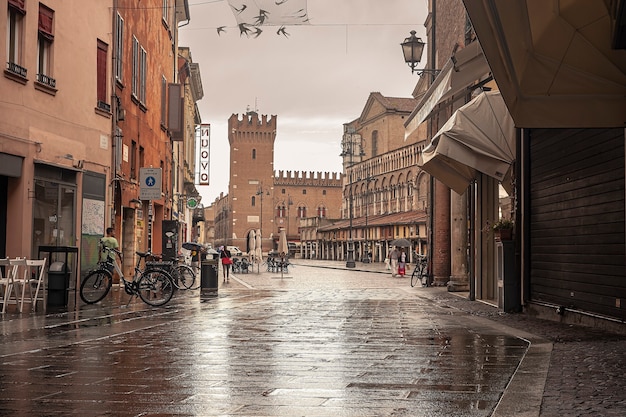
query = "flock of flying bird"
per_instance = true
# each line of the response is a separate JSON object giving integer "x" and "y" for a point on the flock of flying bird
{"x": 253, "y": 28}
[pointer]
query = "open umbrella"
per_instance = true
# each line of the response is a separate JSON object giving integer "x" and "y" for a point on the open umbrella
{"x": 192, "y": 246}
{"x": 401, "y": 243}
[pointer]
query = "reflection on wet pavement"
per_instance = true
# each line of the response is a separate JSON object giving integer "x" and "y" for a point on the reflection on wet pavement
{"x": 300, "y": 349}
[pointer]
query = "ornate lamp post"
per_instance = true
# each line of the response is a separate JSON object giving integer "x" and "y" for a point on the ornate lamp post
{"x": 260, "y": 193}
{"x": 367, "y": 259}
{"x": 349, "y": 144}
{"x": 289, "y": 204}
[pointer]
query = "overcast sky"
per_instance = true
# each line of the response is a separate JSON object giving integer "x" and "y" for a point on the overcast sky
{"x": 314, "y": 78}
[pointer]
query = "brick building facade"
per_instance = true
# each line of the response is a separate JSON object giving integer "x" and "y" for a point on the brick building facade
{"x": 261, "y": 199}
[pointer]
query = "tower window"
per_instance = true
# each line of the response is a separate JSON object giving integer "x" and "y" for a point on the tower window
{"x": 253, "y": 153}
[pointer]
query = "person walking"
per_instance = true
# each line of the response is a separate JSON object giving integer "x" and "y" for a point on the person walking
{"x": 393, "y": 257}
{"x": 111, "y": 242}
{"x": 227, "y": 261}
{"x": 402, "y": 263}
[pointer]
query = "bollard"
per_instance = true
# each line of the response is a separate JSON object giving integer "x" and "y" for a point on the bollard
{"x": 209, "y": 277}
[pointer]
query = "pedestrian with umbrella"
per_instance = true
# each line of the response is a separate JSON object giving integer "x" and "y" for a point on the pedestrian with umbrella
{"x": 402, "y": 262}
{"x": 393, "y": 258}
{"x": 397, "y": 256}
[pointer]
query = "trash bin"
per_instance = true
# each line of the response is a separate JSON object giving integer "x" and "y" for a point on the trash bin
{"x": 58, "y": 284}
{"x": 208, "y": 277}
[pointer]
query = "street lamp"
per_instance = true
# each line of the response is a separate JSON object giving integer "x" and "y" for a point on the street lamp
{"x": 348, "y": 144}
{"x": 412, "y": 48}
{"x": 260, "y": 193}
{"x": 289, "y": 204}
{"x": 367, "y": 233}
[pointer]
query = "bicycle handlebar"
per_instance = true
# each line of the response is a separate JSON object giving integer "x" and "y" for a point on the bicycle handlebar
{"x": 108, "y": 249}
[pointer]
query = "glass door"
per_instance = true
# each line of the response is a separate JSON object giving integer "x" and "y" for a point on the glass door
{"x": 53, "y": 215}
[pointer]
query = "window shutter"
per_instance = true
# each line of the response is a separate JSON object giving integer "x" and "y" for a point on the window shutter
{"x": 18, "y": 5}
{"x": 175, "y": 110}
{"x": 102, "y": 72}
{"x": 46, "y": 16}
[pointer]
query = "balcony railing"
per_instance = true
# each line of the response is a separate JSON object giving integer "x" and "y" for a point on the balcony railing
{"x": 49, "y": 81}
{"x": 104, "y": 106}
{"x": 16, "y": 69}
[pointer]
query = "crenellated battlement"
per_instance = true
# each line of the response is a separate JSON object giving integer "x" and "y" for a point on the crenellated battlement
{"x": 250, "y": 122}
{"x": 310, "y": 178}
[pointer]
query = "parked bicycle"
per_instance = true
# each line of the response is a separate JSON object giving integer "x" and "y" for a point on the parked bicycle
{"x": 154, "y": 286}
{"x": 183, "y": 275}
{"x": 420, "y": 270}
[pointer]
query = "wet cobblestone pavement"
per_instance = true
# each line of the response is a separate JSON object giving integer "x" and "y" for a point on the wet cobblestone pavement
{"x": 314, "y": 342}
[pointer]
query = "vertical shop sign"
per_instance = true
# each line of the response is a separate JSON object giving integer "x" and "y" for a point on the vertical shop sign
{"x": 205, "y": 142}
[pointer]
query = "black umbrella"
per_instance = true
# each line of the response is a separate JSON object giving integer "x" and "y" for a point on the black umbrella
{"x": 192, "y": 246}
{"x": 401, "y": 243}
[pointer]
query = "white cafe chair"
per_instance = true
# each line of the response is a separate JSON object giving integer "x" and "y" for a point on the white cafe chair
{"x": 18, "y": 277}
{"x": 7, "y": 280}
{"x": 33, "y": 276}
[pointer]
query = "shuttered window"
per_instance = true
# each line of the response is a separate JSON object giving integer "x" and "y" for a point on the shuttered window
{"x": 46, "y": 18}
{"x": 102, "y": 72}
{"x": 18, "y": 5}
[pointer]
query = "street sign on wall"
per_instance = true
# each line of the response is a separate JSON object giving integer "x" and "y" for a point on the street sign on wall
{"x": 150, "y": 183}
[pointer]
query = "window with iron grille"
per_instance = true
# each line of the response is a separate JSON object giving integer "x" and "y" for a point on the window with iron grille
{"x": 15, "y": 21}
{"x": 44, "y": 46}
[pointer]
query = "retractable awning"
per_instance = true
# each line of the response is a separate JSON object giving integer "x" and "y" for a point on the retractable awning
{"x": 480, "y": 136}
{"x": 462, "y": 70}
{"x": 554, "y": 60}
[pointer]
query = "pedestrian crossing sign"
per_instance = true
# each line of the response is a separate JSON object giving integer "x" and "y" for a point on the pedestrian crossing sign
{"x": 150, "y": 183}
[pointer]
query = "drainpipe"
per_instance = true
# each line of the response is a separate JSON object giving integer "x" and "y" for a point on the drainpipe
{"x": 114, "y": 109}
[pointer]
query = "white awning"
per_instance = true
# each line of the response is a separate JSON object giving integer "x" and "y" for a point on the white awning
{"x": 462, "y": 70}
{"x": 480, "y": 136}
{"x": 553, "y": 61}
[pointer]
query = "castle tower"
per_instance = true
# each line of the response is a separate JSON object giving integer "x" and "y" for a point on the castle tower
{"x": 251, "y": 142}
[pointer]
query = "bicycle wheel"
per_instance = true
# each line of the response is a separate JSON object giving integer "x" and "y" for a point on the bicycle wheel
{"x": 155, "y": 287}
{"x": 416, "y": 275}
{"x": 424, "y": 275}
{"x": 185, "y": 275}
{"x": 96, "y": 286}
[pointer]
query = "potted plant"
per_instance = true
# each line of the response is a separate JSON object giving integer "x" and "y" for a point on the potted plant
{"x": 503, "y": 229}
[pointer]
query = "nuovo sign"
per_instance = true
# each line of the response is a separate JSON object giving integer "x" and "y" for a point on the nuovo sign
{"x": 205, "y": 142}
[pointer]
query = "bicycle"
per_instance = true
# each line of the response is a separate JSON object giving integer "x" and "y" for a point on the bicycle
{"x": 420, "y": 271}
{"x": 154, "y": 286}
{"x": 183, "y": 275}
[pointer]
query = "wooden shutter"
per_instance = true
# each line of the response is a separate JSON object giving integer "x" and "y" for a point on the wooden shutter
{"x": 18, "y": 5}
{"x": 46, "y": 16}
{"x": 102, "y": 72}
